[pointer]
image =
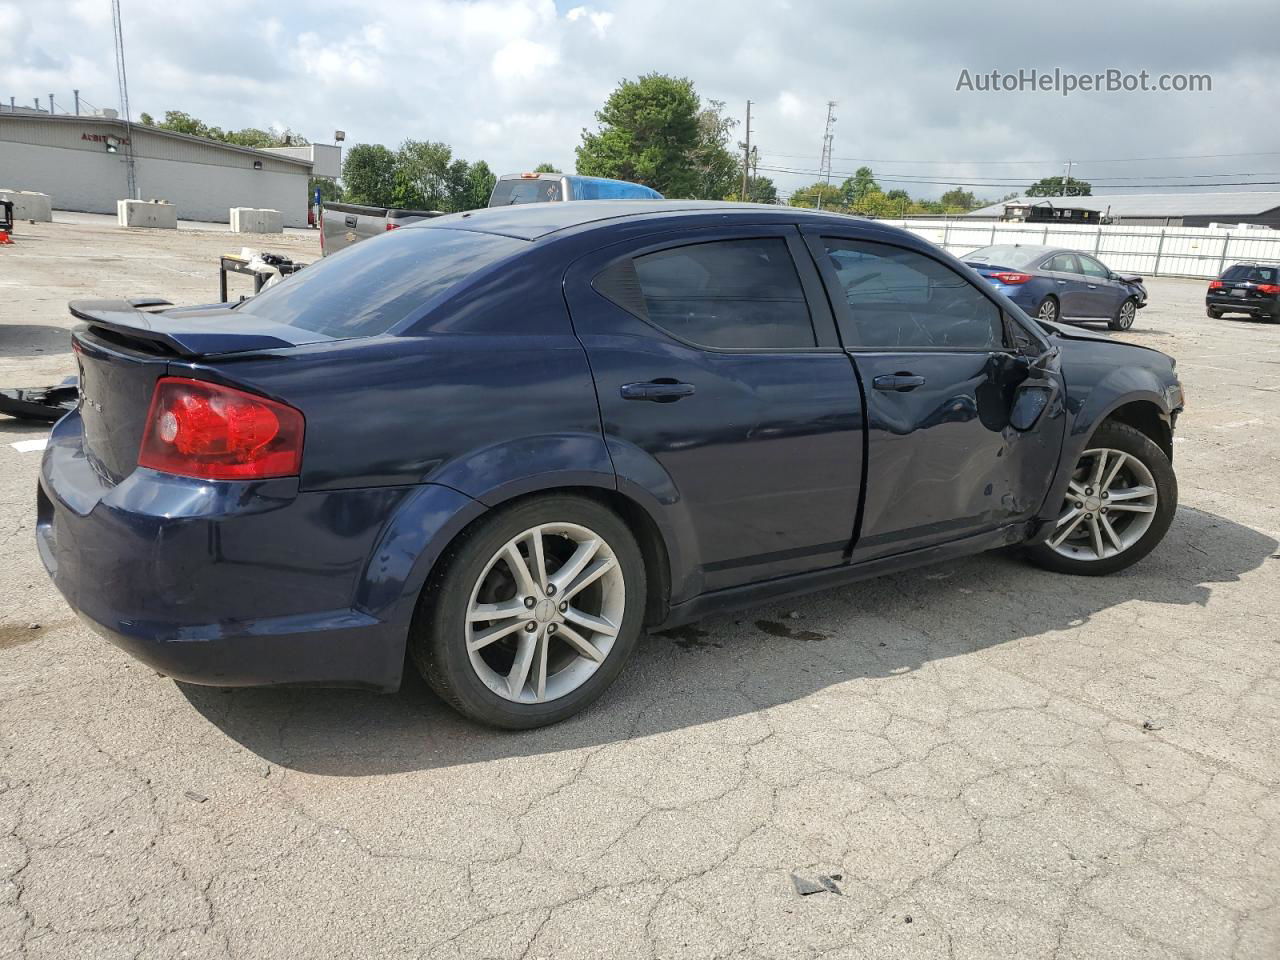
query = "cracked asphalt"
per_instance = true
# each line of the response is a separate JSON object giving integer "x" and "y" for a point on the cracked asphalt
{"x": 987, "y": 759}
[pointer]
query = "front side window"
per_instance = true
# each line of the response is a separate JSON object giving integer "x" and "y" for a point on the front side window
{"x": 1092, "y": 268}
{"x": 726, "y": 294}
{"x": 1063, "y": 263}
{"x": 901, "y": 298}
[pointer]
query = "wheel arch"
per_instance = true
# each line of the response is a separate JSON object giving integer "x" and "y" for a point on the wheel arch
{"x": 1147, "y": 417}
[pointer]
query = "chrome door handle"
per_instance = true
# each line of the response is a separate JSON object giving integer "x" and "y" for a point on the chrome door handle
{"x": 1063, "y": 282}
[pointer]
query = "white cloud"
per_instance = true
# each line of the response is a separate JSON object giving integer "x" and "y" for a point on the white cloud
{"x": 515, "y": 81}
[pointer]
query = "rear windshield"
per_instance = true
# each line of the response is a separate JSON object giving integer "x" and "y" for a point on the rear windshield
{"x": 1006, "y": 255}
{"x": 1242, "y": 271}
{"x": 507, "y": 192}
{"x": 367, "y": 288}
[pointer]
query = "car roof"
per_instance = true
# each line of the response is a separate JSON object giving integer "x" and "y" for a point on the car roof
{"x": 532, "y": 221}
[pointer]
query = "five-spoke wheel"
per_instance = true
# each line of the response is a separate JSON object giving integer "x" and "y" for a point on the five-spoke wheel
{"x": 1119, "y": 502}
{"x": 533, "y": 613}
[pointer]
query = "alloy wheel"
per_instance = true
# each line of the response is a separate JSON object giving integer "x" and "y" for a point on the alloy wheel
{"x": 1127, "y": 312}
{"x": 1048, "y": 311}
{"x": 545, "y": 612}
{"x": 1110, "y": 503}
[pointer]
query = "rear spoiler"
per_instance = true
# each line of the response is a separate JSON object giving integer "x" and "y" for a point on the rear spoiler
{"x": 187, "y": 335}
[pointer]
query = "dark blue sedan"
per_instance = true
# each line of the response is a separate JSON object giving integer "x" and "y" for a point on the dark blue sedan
{"x": 1052, "y": 283}
{"x": 507, "y": 441}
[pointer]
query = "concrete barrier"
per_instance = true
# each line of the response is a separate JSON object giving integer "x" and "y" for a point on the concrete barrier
{"x": 147, "y": 213}
{"x": 29, "y": 205}
{"x": 256, "y": 220}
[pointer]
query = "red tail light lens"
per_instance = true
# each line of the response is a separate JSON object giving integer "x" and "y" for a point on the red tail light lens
{"x": 206, "y": 430}
{"x": 1215, "y": 285}
{"x": 1010, "y": 277}
{"x": 1268, "y": 288}
{"x": 393, "y": 226}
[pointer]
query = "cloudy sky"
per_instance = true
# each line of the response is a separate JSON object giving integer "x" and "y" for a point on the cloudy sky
{"x": 515, "y": 81}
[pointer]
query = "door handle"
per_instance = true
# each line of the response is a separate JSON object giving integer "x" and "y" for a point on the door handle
{"x": 1063, "y": 282}
{"x": 1093, "y": 286}
{"x": 659, "y": 391}
{"x": 901, "y": 382}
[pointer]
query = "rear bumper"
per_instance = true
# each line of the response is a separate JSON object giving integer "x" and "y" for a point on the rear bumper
{"x": 1269, "y": 308}
{"x": 222, "y": 583}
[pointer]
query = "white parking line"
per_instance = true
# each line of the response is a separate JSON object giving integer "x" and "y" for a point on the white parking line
{"x": 30, "y": 446}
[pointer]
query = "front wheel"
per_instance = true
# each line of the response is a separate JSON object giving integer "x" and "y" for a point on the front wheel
{"x": 533, "y": 613}
{"x": 1123, "y": 319}
{"x": 1048, "y": 310}
{"x": 1119, "y": 503}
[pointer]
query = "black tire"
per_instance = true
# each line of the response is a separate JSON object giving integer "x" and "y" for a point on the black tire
{"x": 1048, "y": 309}
{"x": 1124, "y": 315}
{"x": 1213, "y": 312}
{"x": 437, "y": 640}
{"x": 1114, "y": 435}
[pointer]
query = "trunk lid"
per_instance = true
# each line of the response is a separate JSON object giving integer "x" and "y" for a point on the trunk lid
{"x": 122, "y": 350}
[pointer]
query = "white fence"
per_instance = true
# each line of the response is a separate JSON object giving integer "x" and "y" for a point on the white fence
{"x": 1146, "y": 251}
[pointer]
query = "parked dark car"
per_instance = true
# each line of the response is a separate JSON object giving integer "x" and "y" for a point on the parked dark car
{"x": 1052, "y": 283}
{"x": 512, "y": 438}
{"x": 1252, "y": 288}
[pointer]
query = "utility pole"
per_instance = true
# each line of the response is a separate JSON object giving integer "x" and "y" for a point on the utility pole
{"x": 827, "y": 137}
{"x": 123, "y": 82}
{"x": 746, "y": 154}
{"x": 1066, "y": 186}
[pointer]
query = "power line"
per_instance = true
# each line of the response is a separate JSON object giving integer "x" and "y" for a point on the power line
{"x": 971, "y": 163}
{"x": 1020, "y": 182}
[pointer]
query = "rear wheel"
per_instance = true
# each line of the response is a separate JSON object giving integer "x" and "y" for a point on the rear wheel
{"x": 1123, "y": 318}
{"x": 1048, "y": 310}
{"x": 1118, "y": 505}
{"x": 533, "y": 613}
{"x": 1214, "y": 312}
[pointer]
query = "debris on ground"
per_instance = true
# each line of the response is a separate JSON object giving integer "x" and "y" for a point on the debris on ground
{"x": 192, "y": 795}
{"x": 823, "y": 884}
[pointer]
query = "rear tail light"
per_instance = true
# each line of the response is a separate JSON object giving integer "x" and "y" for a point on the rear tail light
{"x": 393, "y": 226}
{"x": 206, "y": 430}
{"x": 1215, "y": 285}
{"x": 1010, "y": 277}
{"x": 1268, "y": 288}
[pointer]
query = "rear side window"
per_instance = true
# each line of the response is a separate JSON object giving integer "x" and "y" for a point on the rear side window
{"x": 366, "y": 289}
{"x": 901, "y": 298}
{"x": 725, "y": 294}
{"x": 1063, "y": 263}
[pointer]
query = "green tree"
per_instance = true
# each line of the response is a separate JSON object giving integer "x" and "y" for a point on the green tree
{"x": 649, "y": 133}
{"x": 180, "y": 122}
{"x": 369, "y": 174}
{"x": 480, "y": 181}
{"x": 1060, "y": 187}
{"x": 955, "y": 198}
{"x": 719, "y": 171}
{"x": 422, "y": 180}
{"x": 832, "y": 196}
{"x": 545, "y": 168}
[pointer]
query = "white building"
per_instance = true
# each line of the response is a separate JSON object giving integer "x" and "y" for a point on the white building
{"x": 80, "y": 161}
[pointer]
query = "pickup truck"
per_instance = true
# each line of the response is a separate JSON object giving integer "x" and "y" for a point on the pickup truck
{"x": 342, "y": 224}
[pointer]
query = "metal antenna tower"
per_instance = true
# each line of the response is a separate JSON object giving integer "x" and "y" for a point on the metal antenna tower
{"x": 123, "y": 82}
{"x": 824, "y": 165}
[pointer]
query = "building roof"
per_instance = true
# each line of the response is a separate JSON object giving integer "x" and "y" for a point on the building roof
{"x": 83, "y": 119}
{"x": 1171, "y": 204}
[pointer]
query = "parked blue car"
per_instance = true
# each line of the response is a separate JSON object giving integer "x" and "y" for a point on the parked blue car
{"x": 508, "y": 440}
{"x": 1052, "y": 284}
